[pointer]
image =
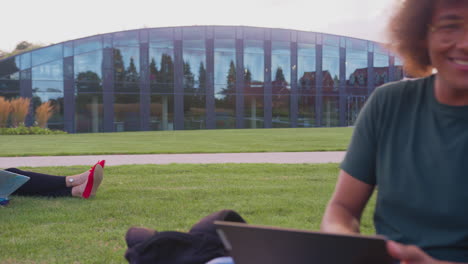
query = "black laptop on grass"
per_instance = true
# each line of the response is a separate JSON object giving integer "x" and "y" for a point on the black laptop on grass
{"x": 253, "y": 244}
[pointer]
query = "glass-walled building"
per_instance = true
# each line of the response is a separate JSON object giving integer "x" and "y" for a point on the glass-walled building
{"x": 200, "y": 77}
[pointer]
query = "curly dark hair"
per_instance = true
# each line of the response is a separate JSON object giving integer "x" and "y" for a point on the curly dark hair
{"x": 407, "y": 32}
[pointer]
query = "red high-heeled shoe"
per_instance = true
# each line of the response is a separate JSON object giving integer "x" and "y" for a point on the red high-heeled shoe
{"x": 102, "y": 163}
{"x": 90, "y": 183}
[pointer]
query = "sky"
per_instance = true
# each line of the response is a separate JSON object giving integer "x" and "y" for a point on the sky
{"x": 52, "y": 21}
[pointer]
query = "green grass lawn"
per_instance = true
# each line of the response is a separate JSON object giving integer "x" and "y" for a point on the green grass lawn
{"x": 164, "y": 197}
{"x": 192, "y": 141}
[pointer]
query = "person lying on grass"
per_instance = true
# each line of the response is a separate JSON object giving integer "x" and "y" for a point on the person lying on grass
{"x": 83, "y": 185}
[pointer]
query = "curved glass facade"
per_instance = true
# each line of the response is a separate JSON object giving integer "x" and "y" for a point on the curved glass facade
{"x": 200, "y": 77}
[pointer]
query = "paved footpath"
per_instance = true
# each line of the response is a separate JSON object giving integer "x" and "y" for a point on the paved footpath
{"x": 265, "y": 157}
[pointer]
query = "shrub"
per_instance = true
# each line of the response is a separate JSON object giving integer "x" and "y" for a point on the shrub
{"x": 43, "y": 114}
{"x": 19, "y": 110}
{"x": 5, "y": 109}
{"x": 23, "y": 130}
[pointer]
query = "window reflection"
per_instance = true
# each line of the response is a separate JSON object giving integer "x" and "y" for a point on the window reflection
{"x": 162, "y": 85}
{"x": 162, "y": 112}
{"x": 399, "y": 74}
{"x": 354, "y": 103}
{"x": 9, "y": 88}
{"x": 88, "y": 92}
{"x": 52, "y": 91}
{"x": 356, "y": 71}
{"x": 194, "y": 66}
{"x": 194, "y": 111}
{"x": 88, "y": 67}
{"x": 127, "y": 92}
{"x": 331, "y": 82}
{"x": 89, "y": 108}
{"x": 127, "y": 38}
{"x": 47, "y": 54}
{"x": 254, "y": 83}
{"x": 306, "y": 111}
{"x": 194, "y": 84}
{"x": 381, "y": 70}
{"x": 8, "y": 67}
{"x": 161, "y": 68}
{"x": 88, "y": 44}
{"x": 225, "y": 83}
{"x": 281, "y": 77}
{"x": 25, "y": 60}
{"x": 306, "y": 74}
{"x": 331, "y": 69}
{"x": 330, "y": 111}
{"x": 49, "y": 71}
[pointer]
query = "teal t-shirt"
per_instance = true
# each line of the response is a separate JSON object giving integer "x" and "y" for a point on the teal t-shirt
{"x": 415, "y": 150}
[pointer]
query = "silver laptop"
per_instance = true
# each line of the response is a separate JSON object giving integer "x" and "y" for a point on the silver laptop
{"x": 10, "y": 182}
{"x": 252, "y": 244}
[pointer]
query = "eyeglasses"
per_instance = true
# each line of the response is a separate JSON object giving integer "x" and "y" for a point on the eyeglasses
{"x": 449, "y": 32}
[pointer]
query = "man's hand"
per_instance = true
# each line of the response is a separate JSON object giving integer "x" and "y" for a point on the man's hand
{"x": 411, "y": 254}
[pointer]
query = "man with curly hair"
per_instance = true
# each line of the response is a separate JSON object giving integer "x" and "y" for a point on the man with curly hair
{"x": 411, "y": 142}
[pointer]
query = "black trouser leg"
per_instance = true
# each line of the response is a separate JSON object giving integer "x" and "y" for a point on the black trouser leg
{"x": 206, "y": 224}
{"x": 42, "y": 184}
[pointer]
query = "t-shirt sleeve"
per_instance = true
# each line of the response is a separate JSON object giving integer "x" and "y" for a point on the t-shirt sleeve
{"x": 360, "y": 158}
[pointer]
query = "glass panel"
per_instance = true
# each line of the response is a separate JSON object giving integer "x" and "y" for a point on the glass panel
{"x": 52, "y": 91}
{"x": 330, "y": 111}
{"x": 128, "y": 38}
{"x": 254, "y": 83}
{"x": 193, "y": 33}
{"x": 162, "y": 112}
{"x": 280, "y": 110}
{"x": 330, "y": 40}
{"x": 127, "y": 92}
{"x": 127, "y": 111}
{"x": 356, "y": 44}
{"x": 8, "y": 67}
{"x": 89, "y": 107}
{"x": 225, "y": 83}
{"x": 88, "y": 44}
{"x": 9, "y": 88}
{"x": 25, "y": 60}
{"x": 281, "y": 76}
{"x": 379, "y": 48}
{"x": 354, "y": 104}
{"x": 161, "y": 67}
{"x": 127, "y": 64}
{"x": 306, "y": 111}
{"x": 225, "y": 32}
{"x": 381, "y": 71}
{"x": 88, "y": 67}
{"x": 194, "y": 111}
{"x": 47, "y": 54}
{"x": 254, "y": 61}
{"x": 356, "y": 71}
{"x": 161, "y": 34}
{"x": 49, "y": 71}
{"x": 399, "y": 74}
{"x": 306, "y": 71}
{"x": 253, "y": 111}
{"x": 25, "y": 75}
{"x": 68, "y": 49}
{"x": 107, "y": 40}
{"x": 194, "y": 66}
{"x": 330, "y": 69}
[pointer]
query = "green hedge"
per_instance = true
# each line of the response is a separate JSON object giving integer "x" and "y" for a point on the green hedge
{"x": 34, "y": 130}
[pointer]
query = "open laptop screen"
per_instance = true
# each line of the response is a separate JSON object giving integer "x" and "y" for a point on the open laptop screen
{"x": 10, "y": 182}
{"x": 251, "y": 244}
